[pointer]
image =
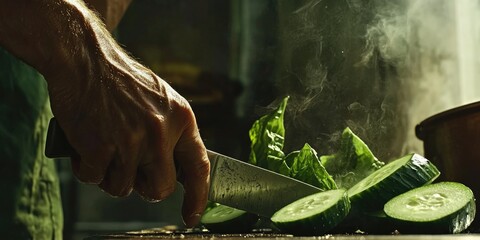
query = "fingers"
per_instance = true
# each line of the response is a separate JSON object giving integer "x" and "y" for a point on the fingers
{"x": 121, "y": 173}
{"x": 120, "y": 177}
{"x": 93, "y": 154}
{"x": 91, "y": 168}
{"x": 192, "y": 157}
{"x": 156, "y": 181}
{"x": 146, "y": 162}
{"x": 156, "y": 176}
{"x": 112, "y": 169}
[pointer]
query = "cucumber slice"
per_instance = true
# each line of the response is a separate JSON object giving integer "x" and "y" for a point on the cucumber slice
{"x": 445, "y": 207}
{"x": 397, "y": 177}
{"x": 315, "y": 214}
{"x": 224, "y": 219}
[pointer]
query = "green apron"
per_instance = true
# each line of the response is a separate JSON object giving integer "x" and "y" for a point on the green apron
{"x": 30, "y": 206}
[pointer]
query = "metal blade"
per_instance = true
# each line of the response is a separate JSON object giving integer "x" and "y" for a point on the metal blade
{"x": 250, "y": 188}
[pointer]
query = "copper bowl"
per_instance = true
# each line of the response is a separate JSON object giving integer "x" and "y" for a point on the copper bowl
{"x": 451, "y": 140}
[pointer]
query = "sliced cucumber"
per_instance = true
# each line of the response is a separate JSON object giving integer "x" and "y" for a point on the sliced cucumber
{"x": 314, "y": 214}
{"x": 224, "y": 219}
{"x": 397, "y": 177}
{"x": 445, "y": 207}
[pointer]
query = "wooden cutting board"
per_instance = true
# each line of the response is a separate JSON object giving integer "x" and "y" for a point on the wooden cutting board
{"x": 172, "y": 232}
{"x": 144, "y": 236}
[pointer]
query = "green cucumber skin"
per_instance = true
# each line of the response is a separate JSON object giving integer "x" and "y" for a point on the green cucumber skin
{"x": 455, "y": 222}
{"x": 320, "y": 223}
{"x": 241, "y": 224}
{"x": 413, "y": 174}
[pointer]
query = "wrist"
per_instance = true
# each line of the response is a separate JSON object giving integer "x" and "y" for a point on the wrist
{"x": 76, "y": 47}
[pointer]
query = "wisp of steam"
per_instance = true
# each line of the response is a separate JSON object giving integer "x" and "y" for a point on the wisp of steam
{"x": 379, "y": 67}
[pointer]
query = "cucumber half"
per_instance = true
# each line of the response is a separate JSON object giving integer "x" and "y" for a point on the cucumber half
{"x": 445, "y": 207}
{"x": 397, "y": 177}
{"x": 315, "y": 214}
{"x": 224, "y": 219}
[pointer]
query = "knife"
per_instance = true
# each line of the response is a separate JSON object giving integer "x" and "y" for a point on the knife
{"x": 232, "y": 182}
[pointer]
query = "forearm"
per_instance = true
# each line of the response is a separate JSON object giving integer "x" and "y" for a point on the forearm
{"x": 20, "y": 31}
{"x": 57, "y": 37}
{"x": 111, "y": 11}
{"x": 126, "y": 124}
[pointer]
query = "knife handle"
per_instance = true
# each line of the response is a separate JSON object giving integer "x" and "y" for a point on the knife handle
{"x": 57, "y": 144}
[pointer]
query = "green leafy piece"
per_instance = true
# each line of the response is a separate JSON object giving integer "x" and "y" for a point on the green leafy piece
{"x": 353, "y": 162}
{"x": 306, "y": 167}
{"x": 267, "y": 138}
{"x": 290, "y": 158}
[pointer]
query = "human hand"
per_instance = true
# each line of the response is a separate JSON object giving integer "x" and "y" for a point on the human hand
{"x": 127, "y": 125}
{"x": 127, "y": 128}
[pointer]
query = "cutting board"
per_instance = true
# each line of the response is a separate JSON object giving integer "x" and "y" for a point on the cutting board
{"x": 161, "y": 233}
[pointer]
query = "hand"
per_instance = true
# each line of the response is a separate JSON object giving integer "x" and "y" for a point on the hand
{"x": 127, "y": 125}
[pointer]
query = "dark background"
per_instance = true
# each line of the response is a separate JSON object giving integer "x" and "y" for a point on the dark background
{"x": 234, "y": 60}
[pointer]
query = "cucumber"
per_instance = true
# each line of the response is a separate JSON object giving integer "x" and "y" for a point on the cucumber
{"x": 397, "y": 177}
{"x": 224, "y": 219}
{"x": 445, "y": 207}
{"x": 315, "y": 214}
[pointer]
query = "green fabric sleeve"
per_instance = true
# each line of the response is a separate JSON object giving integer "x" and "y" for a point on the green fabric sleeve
{"x": 30, "y": 206}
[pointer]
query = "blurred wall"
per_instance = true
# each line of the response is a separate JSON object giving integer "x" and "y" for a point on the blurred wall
{"x": 378, "y": 67}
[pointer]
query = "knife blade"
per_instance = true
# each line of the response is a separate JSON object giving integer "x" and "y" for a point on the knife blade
{"x": 250, "y": 188}
{"x": 233, "y": 182}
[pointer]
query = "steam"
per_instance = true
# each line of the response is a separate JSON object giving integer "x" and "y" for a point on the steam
{"x": 379, "y": 67}
{"x": 387, "y": 34}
